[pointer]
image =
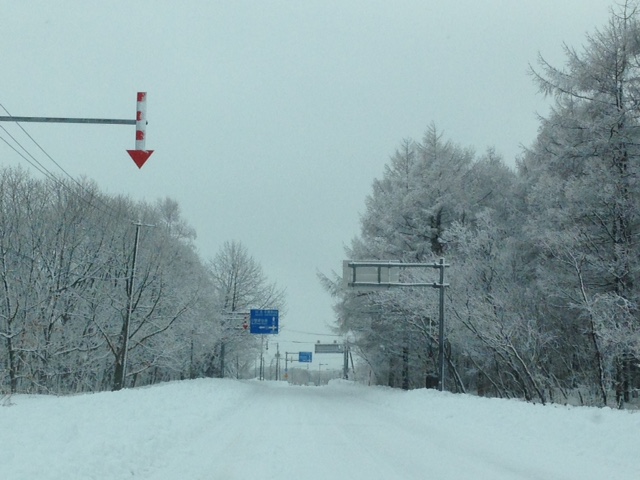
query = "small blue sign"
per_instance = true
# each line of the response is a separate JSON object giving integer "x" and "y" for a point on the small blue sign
{"x": 304, "y": 357}
{"x": 264, "y": 322}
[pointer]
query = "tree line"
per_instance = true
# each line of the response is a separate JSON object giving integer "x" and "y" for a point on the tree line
{"x": 544, "y": 287}
{"x": 73, "y": 313}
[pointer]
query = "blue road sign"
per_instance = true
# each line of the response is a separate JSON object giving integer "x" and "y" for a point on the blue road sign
{"x": 264, "y": 322}
{"x": 304, "y": 357}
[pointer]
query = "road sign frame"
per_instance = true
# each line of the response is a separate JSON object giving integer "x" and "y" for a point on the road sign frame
{"x": 264, "y": 322}
{"x": 351, "y": 279}
{"x": 329, "y": 348}
{"x": 305, "y": 357}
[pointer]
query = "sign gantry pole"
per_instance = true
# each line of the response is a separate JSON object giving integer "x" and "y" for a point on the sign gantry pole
{"x": 140, "y": 155}
{"x": 441, "y": 286}
{"x": 103, "y": 121}
{"x": 372, "y": 275}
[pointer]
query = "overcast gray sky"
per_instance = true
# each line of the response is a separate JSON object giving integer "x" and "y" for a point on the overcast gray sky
{"x": 270, "y": 119}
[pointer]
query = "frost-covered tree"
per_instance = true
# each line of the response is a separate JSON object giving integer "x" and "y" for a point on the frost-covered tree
{"x": 16, "y": 271}
{"x": 583, "y": 197}
{"x": 426, "y": 188}
{"x": 492, "y": 312}
{"x": 414, "y": 200}
{"x": 65, "y": 276}
{"x": 239, "y": 285}
{"x": 544, "y": 298}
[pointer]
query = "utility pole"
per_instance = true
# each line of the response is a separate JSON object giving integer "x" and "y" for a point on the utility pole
{"x": 120, "y": 373}
{"x": 140, "y": 155}
{"x": 127, "y": 322}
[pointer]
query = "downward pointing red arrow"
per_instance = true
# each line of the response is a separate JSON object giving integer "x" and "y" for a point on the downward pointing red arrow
{"x": 140, "y": 156}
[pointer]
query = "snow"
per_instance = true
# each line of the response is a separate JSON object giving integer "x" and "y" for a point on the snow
{"x": 228, "y": 429}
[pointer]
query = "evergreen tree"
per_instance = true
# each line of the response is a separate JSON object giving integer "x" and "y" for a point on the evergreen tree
{"x": 583, "y": 199}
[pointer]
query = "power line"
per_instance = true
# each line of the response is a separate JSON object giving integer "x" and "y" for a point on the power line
{"x": 312, "y": 333}
{"x": 40, "y": 147}
{"x": 41, "y": 168}
{"x": 108, "y": 209}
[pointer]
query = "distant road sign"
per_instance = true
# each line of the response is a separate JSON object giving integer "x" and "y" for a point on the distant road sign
{"x": 264, "y": 322}
{"x": 329, "y": 348}
{"x": 305, "y": 357}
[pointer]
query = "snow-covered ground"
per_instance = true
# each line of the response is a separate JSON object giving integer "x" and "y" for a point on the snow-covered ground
{"x": 225, "y": 429}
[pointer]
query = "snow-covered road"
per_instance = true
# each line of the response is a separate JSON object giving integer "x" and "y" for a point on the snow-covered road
{"x": 224, "y": 429}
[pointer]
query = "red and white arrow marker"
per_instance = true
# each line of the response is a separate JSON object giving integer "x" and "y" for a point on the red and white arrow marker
{"x": 140, "y": 155}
